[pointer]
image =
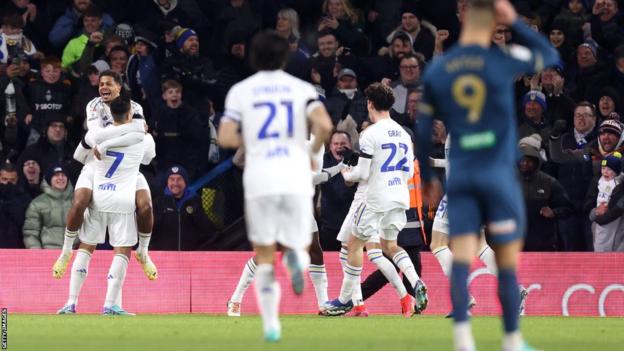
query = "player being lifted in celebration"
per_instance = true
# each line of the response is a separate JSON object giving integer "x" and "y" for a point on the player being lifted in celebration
{"x": 386, "y": 162}
{"x": 113, "y": 203}
{"x": 470, "y": 89}
{"x": 273, "y": 110}
{"x": 98, "y": 117}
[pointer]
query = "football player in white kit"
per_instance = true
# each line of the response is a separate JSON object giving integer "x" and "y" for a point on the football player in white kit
{"x": 439, "y": 238}
{"x": 273, "y": 110}
{"x": 98, "y": 117}
{"x": 316, "y": 270}
{"x": 113, "y": 204}
{"x": 386, "y": 162}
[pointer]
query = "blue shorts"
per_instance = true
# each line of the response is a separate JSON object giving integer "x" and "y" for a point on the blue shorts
{"x": 484, "y": 197}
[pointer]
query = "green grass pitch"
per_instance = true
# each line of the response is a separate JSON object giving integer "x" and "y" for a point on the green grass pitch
{"x": 300, "y": 333}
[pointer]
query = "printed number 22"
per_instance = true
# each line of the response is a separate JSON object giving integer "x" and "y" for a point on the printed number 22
{"x": 118, "y": 157}
{"x": 400, "y": 165}
{"x": 264, "y": 133}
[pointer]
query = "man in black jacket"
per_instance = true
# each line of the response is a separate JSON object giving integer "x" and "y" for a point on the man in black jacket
{"x": 180, "y": 222}
{"x": 545, "y": 201}
{"x": 13, "y": 204}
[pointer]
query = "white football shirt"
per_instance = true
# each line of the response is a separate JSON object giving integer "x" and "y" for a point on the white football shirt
{"x": 272, "y": 109}
{"x": 114, "y": 181}
{"x": 392, "y": 164}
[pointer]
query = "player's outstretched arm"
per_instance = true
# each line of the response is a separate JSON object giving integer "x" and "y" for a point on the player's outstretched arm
{"x": 327, "y": 173}
{"x": 127, "y": 139}
{"x": 543, "y": 53}
{"x": 104, "y": 134}
{"x": 360, "y": 172}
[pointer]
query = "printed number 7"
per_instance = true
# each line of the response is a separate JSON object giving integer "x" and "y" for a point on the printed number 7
{"x": 400, "y": 165}
{"x": 118, "y": 157}
{"x": 264, "y": 133}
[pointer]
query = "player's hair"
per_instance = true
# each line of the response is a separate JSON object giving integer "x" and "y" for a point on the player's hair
{"x": 170, "y": 84}
{"x": 8, "y": 167}
{"x": 380, "y": 95}
{"x": 480, "y": 12}
{"x": 119, "y": 108}
{"x": 50, "y": 60}
{"x": 13, "y": 20}
{"x": 116, "y": 76}
{"x": 586, "y": 103}
{"x": 269, "y": 51}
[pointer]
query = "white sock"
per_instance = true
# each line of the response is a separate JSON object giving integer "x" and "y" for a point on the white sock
{"x": 268, "y": 296}
{"x": 350, "y": 280}
{"x": 116, "y": 277}
{"x": 462, "y": 337}
{"x": 385, "y": 266}
{"x": 344, "y": 253}
{"x": 144, "y": 240}
{"x": 487, "y": 256}
{"x": 79, "y": 272}
{"x": 445, "y": 258}
{"x": 68, "y": 241}
{"x": 245, "y": 280}
{"x": 318, "y": 275}
{"x": 512, "y": 341}
{"x": 402, "y": 260}
{"x": 357, "y": 297}
{"x": 118, "y": 299}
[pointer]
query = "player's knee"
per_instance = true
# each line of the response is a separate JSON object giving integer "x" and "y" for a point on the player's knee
{"x": 389, "y": 247}
{"x": 143, "y": 202}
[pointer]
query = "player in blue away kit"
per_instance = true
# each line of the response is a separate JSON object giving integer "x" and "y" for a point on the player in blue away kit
{"x": 471, "y": 90}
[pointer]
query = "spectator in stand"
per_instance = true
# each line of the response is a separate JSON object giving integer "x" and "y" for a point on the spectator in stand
{"x": 559, "y": 39}
{"x": 617, "y": 75}
{"x": 13, "y": 204}
{"x": 287, "y": 25}
{"x": 591, "y": 72}
{"x": 87, "y": 90}
{"x": 180, "y": 222}
{"x": 545, "y": 199}
{"x": 573, "y": 16}
{"x": 13, "y": 42}
{"x": 44, "y": 227}
{"x": 347, "y": 100}
{"x": 236, "y": 66}
{"x": 178, "y": 132}
{"x": 70, "y": 24}
{"x": 534, "y": 107}
{"x": 323, "y": 62}
{"x": 193, "y": 71}
{"x": 14, "y": 107}
{"x": 560, "y": 105}
{"x": 609, "y": 101}
{"x": 155, "y": 13}
{"x": 607, "y": 25}
{"x": 410, "y": 67}
{"x": 237, "y": 15}
{"x": 603, "y": 197}
{"x": 93, "y": 32}
{"x": 49, "y": 96}
{"x": 499, "y": 37}
{"x": 574, "y": 173}
{"x": 30, "y": 178}
{"x": 336, "y": 196}
{"x": 381, "y": 21}
{"x": 52, "y": 148}
{"x": 341, "y": 17}
{"x": 97, "y": 49}
{"x": 421, "y": 36}
{"x": 409, "y": 119}
{"x": 143, "y": 70}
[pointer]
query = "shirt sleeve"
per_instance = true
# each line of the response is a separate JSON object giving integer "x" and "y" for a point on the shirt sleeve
{"x": 93, "y": 115}
{"x": 233, "y": 109}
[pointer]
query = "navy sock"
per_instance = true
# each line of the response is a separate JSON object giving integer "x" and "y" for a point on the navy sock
{"x": 459, "y": 291}
{"x": 509, "y": 297}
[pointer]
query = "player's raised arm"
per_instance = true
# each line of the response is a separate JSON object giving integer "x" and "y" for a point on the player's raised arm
{"x": 540, "y": 53}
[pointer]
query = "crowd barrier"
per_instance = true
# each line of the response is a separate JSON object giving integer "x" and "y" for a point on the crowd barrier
{"x": 568, "y": 284}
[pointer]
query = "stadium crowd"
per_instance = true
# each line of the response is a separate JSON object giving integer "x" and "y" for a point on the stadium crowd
{"x": 178, "y": 59}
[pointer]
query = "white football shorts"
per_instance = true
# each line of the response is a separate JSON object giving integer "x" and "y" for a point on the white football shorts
{"x": 348, "y": 228}
{"x": 122, "y": 228}
{"x": 387, "y": 224}
{"x": 441, "y": 222}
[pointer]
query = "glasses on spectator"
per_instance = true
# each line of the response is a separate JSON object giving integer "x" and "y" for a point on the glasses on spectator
{"x": 409, "y": 67}
{"x": 583, "y": 115}
{"x": 503, "y": 31}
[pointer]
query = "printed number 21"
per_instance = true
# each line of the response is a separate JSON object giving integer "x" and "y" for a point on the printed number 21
{"x": 118, "y": 157}
{"x": 400, "y": 165}
{"x": 264, "y": 133}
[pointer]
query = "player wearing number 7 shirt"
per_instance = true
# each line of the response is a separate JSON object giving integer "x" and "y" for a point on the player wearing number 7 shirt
{"x": 386, "y": 161}
{"x": 471, "y": 90}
